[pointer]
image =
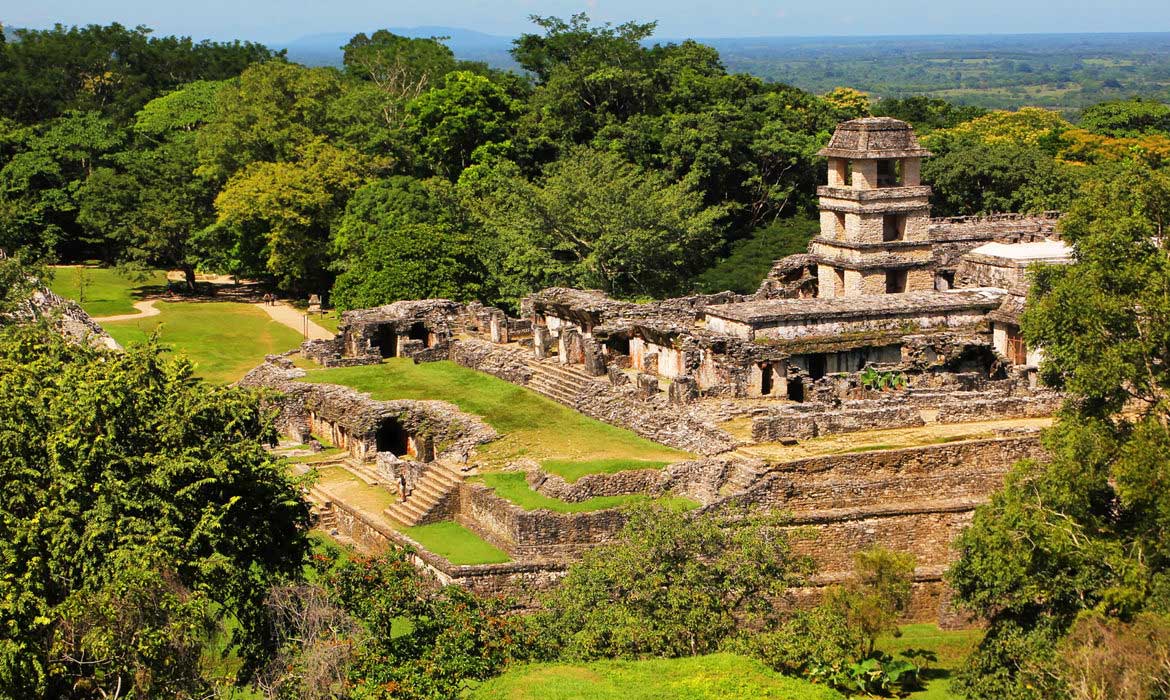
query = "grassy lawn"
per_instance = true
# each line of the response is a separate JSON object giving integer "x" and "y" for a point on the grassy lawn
{"x": 456, "y": 543}
{"x": 223, "y": 339}
{"x": 571, "y": 470}
{"x": 532, "y": 425}
{"x": 105, "y": 291}
{"x": 354, "y": 492}
{"x": 514, "y": 487}
{"x": 950, "y": 646}
{"x": 714, "y": 677}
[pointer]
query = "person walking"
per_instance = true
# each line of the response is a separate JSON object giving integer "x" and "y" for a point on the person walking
{"x": 402, "y": 486}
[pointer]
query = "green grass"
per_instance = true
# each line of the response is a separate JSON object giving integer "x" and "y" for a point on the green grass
{"x": 950, "y": 646}
{"x": 531, "y": 425}
{"x": 456, "y": 543}
{"x": 223, "y": 339}
{"x": 514, "y": 487}
{"x": 714, "y": 677}
{"x": 571, "y": 470}
{"x": 104, "y": 291}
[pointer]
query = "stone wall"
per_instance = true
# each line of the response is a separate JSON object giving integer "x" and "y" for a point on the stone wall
{"x": 807, "y": 421}
{"x": 537, "y": 533}
{"x": 979, "y": 409}
{"x": 653, "y": 418}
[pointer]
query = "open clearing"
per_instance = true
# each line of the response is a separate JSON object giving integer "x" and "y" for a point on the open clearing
{"x": 950, "y": 647}
{"x": 532, "y": 426}
{"x": 105, "y": 291}
{"x": 713, "y": 677}
{"x": 456, "y": 543}
{"x": 223, "y": 339}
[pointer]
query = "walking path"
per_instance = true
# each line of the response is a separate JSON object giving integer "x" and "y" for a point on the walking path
{"x": 145, "y": 310}
{"x": 295, "y": 319}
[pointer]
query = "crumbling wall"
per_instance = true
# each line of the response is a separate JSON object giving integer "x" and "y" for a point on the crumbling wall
{"x": 809, "y": 420}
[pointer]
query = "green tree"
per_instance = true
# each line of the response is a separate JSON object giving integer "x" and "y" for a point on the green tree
{"x": 276, "y": 218}
{"x": 403, "y": 238}
{"x": 401, "y": 68}
{"x": 671, "y": 584}
{"x": 1127, "y": 118}
{"x": 593, "y": 221}
{"x": 447, "y": 124}
{"x": 1088, "y": 529}
{"x": 140, "y": 506}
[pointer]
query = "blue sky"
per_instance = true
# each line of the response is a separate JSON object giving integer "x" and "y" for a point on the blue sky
{"x": 281, "y": 20}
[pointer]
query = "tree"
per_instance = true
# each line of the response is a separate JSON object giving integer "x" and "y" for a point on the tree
{"x": 596, "y": 221}
{"x": 403, "y": 238}
{"x": 926, "y": 114}
{"x": 402, "y": 68}
{"x": 671, "y": 584}
{"x": 378, "y": 628}
{"x": 278, "y": 216}
{"x": 447, "y": 124}
{"x": 140, "y": 507}
{"x": 568, "y": 42}
{"x": 877, "y": 594}
{"x": 1088, "y": 529}
{"x": 1127, "y": 118}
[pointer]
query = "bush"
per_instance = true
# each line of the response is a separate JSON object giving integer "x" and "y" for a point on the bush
{"x": 750, "y": 259}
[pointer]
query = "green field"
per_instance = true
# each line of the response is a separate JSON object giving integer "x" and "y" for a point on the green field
{"x": 531, "y": 425}
{"x": 104, "y": 291}
{"x": 514, "y": 487}
{"x": 456, "y": 543}
{"x": 714, "y": 677}
{"x": 949, "y": 646}
{"x": 223, "y": 339}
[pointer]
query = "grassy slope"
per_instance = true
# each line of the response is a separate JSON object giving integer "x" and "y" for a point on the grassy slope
{"x": 714, "y": 677}
{"x": 514, "y": 487}
{"x": 224, "y": 340}
{"x": 107, "y": 292}
{"x": 456, "y": 543}
{"x": 532, "y": 425}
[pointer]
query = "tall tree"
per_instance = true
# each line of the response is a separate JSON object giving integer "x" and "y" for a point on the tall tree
{"x": 140, "y": 506}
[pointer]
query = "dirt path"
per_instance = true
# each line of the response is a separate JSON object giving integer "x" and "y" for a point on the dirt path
{"x": 145, "y": 310}
{"x": 295, "y": 319}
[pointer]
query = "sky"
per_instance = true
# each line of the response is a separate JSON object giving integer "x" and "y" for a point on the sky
{"x": 275, "y": 21}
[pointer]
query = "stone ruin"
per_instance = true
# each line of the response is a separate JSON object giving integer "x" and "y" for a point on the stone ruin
{"x": 65, "y": 315}
{"x": 931, "y": 305}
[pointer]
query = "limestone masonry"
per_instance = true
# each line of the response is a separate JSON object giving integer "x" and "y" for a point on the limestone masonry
{"x": 893, "y": 326}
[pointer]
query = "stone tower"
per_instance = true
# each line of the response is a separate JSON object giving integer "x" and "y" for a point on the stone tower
{"x": 874, "y": 212}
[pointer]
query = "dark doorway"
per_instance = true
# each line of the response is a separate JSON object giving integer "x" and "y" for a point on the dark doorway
{"x": 895, "y": 281}
{"x": 386, "y": 340}
{"x": 816, "y": 367}
{"x": 765, "y": 379}
{"x": 391, "y": 437}
{"x": 619, "y": 344}
{"x": 795, "y": 389}
{"x": 893, "y": 227}
{"x": 418, "y": 331}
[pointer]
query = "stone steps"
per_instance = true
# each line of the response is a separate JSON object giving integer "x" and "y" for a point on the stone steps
{"x": 558, "y": 382}
{"x": 363, "y": 471}
{"x": 436, "y": 484}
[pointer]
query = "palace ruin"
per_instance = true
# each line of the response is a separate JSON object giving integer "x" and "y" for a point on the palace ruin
{"x": 930, "y": 307}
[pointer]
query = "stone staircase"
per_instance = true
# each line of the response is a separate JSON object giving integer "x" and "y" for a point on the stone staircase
{"x": 558, "y": 382}
{"x": 326, "y": 517}
{"x": 436, "y": 484}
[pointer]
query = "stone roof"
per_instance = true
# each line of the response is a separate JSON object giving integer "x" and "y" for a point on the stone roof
{"x": 757, "y": 313}
{"x": 874, "y": 137}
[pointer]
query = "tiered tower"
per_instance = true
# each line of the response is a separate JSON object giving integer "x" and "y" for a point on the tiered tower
{"x": 874, "y": 212}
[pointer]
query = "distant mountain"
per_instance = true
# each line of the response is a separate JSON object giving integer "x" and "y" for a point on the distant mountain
{"x": 468, "y": 45}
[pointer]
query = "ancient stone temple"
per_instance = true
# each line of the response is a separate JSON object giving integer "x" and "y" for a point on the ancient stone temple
{"x": 875, "y": 388}
{"x": 875, "y": 212}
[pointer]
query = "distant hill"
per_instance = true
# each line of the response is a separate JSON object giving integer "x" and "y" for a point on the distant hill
{"x": 468, "y": 44}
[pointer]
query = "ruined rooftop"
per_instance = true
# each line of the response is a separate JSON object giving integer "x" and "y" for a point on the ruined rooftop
{"x": 757, "y": 312}
{"x": 874, "y": 138}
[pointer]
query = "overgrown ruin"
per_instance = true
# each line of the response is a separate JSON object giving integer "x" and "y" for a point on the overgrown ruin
{"x": 892, "y": 321}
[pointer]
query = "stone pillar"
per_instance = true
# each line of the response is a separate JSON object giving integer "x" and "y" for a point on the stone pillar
{"x": 647, "y": 385}
{"x": 683, "y": 390}
{"x": 594, "y": 358}
{"x": 539, "y": 342}
{"x": 499, "y": 327}
{"x": 617, "y": 377}
{"x": 650, "y": 363}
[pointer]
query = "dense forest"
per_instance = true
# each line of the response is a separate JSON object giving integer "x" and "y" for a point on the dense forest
{"x": 151, "y": 547}
{"x": 605, "y": 164}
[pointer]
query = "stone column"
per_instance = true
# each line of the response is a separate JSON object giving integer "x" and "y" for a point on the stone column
{"x": 539, "y": 342}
